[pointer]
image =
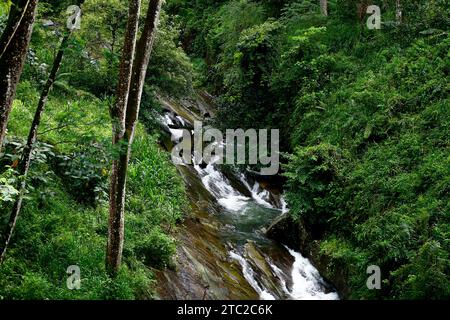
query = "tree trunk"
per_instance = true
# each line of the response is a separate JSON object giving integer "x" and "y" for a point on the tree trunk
{"x": 13, "y": 49}
{"x": 361, "y": 10}
{"x": 118, "y": 182}
{"x": 118, "y": 112}
{"x": 25, "y": 161}
{"x": 324, "y": 7}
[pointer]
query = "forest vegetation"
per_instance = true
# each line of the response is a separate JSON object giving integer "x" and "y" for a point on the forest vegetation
{"x": 364, "y": 118}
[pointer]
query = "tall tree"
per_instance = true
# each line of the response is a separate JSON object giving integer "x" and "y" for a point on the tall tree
{"x": 119, "y": 170}
{"x": 361, "y": 9}
{"x": 118, "y": 116}
{"x": 13, "y": 49}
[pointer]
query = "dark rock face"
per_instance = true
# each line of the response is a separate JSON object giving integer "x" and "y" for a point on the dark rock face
{"x": 235, "y": 182}
{"x": 295, "y": 235}
{"x": 285, "y": 230}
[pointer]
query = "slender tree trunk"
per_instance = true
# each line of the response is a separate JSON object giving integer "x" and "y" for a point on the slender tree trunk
{"x": 25, "y": 161}
{"x": 13, "y": 49}
{"x": 118, "y": 113}
{"x": 324, "y": 7}
{"x": 143, "y": 54}
{"x": 118, "y": 181}
{"x": 18, "y": 11}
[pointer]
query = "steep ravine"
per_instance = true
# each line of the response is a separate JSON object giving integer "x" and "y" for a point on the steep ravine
{"x": 223, "y": 251}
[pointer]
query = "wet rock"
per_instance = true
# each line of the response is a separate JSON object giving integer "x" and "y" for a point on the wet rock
{"x": 257, "y": 258}
{"x": 203, "y": 270}
{"x": 201, "y": 199}
{"x": 203, "y": 165}
{"x": 285, "y": 230}
{"x": 264, "y": 273}
{"x": 275, "y": 200}
{"x": 165, "y": 141}
{"x": 235, "y": 182}
{"x": 196, "y": 108}
{"x": 47, "y": 23}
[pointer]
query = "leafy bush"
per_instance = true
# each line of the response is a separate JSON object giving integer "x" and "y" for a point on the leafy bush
{"x": 364, "y": 114}
{"x": 153, "y": 180}
{"x": 156, "y": 248}
{"x": 388, "y": 198}
{"x": 8, "y": 184}
{"x": 85, "y": 173}
{"x": 312, "y": 174}
{"x": 54, "y": 234}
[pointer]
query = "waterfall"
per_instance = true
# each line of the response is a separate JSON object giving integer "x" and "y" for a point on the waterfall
{"x": 307, "y": 282}
{"x": 259, "y": 195}
{"x": 246, "y": 215}
{"x": 219, "y": 186}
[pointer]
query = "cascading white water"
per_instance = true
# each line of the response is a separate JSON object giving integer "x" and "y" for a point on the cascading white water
{"x": 284, "y": 207}
{"x": 219, "y": 186}
{"x": 249, "y": 275}
{"x": 307, "y": 284}
{"x": 259, "y": 195}
{"x": 177, "y": 134}
{"x": 306, "y": 281}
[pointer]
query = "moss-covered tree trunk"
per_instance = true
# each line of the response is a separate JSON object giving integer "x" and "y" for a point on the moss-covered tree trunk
{"x": 119, "y": 173}
{"x": 361, "y": 10}
{"x": 118, "y": 111}
{"x": 13, "y": 49}
{"x": 324, "y": 7}
{"x": 398, "y": 12}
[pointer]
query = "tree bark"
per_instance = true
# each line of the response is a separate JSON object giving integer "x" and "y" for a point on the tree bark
{"x": 13, "y": 49}
{"x": 25, "y": 162}
{"x": 118, "y": 182}
{"x": 324, "y": 7}
{"x": 361, "y": 10}
{"x": 17, "y": 14}
{"x": 118, "y": 113}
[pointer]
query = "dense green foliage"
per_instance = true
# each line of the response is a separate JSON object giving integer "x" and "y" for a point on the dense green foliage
{"x": 364, "y": 118}
{"x": 65, "y": 215}
{"x": 364, "y": 114}
{"x": 56, "y": 231}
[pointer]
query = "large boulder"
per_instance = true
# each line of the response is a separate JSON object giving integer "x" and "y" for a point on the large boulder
{"x": 285, "y": 230}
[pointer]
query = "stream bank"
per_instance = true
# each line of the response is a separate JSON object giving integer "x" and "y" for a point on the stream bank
{"x": 223, "y": 251}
